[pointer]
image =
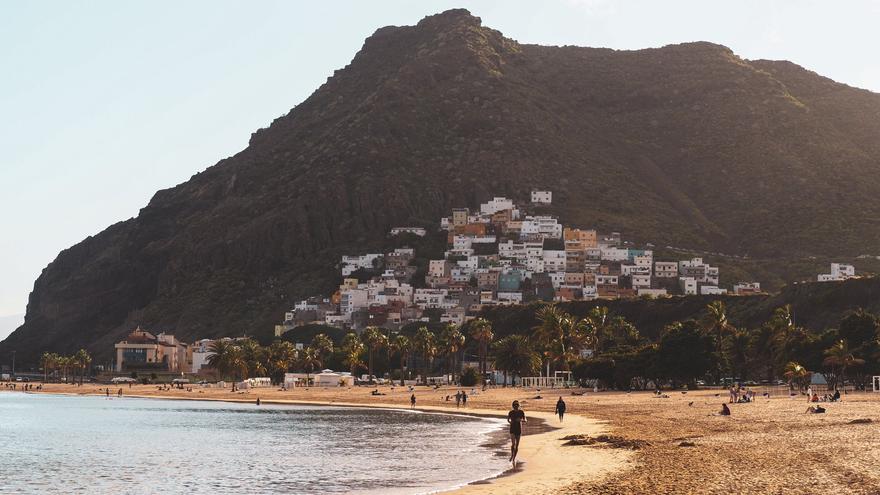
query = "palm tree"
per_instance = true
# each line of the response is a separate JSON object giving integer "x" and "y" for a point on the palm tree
{"x": 839, "y": 356}
{"x": 375, "y": 340}
{"x": 562, "y": 335}
{"x": 597, "y": 321}
{"x": 309, "y": 359}
{"x": 353, "y": 349}
{"x": 452, "y": 341}
{"x": 281, "y": 356}
{"x": 402, "y": 345}
{"x": 323, "y": 345}
{"x": 238, "y": 362}
{"x": 717, "y": 323}
{"x": 83, "y": 360}
{"x": 514, "y": 354}
{"x": 423, "y": 342}
{"x": 219, "y": 356}
{"x": 737, "y": 345}
{"x": 255, "y": 356}
{"x": 481, "y": 331}
{"x": 796, "y": 375}
{"x": 49, "y": 360}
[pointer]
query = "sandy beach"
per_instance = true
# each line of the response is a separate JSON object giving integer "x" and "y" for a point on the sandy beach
{"x": 676, "y": 444}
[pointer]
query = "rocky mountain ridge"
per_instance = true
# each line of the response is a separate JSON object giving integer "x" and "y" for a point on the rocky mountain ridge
{"x": 687, "y": 145}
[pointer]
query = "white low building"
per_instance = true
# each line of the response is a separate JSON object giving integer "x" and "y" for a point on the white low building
{"x": 419, "y": 231}
{"x": 545, "y": 197}
{"x": 839, "y": 271}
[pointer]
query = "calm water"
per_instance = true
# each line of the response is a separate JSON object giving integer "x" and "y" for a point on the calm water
{"x": 59, "y": 444}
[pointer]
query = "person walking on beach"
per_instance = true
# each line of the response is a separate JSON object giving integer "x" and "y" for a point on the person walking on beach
{"x": 458, "y": 398}
{"x": 560, "y": 408}
{"x": 412, "y": 401}
{"x": 463, "y": 399}
{"x": 516, "y": 417}
{"x": 119, "y": 393}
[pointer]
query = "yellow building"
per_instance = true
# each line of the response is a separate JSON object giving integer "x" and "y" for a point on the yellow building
{"x": 584, "y": 238}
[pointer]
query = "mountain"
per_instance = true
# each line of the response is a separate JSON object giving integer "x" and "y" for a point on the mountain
{"x": 685, "y": 145}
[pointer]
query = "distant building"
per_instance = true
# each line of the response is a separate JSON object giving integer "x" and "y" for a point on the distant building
{"x": 746, "y": 288}
{"x": 688, "y": 285}
{"x": 419, "y": 231}
{"x": 712, "y": 290}
{"x": 665, "y": 269}
{"x": 839, "y": 271}
{"x": 545, "y": 197}
{"x": 143, "y": 350}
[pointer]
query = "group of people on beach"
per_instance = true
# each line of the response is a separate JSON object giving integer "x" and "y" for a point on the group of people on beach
{"x": 740, "y": 395}
{"x": 107, "y": 392}
{"x": 24, "y": 386}
{"x": 814, "y": 397}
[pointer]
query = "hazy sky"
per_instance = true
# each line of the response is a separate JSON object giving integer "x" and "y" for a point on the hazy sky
{"x": 104, "y": 102}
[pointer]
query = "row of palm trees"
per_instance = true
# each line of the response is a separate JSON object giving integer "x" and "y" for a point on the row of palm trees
{"x": 70, "y": 367}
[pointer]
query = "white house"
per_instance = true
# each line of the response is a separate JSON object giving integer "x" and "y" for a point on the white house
{"x": 712, "y": 290}
{"x": 744, "y": 288}
{"x": 201, "y": 351}
{"x": 665, "y": 269}
{"x": 688, "y": 285}
{"x": 640, "y": 281}
{"x": 643, "y": 291}
{"x": 554, "y": 260}
{"x": 614, "y": 254}
{"x": 839, "y": 271}
{"x": 352, "y": 263}
{"x": 495, "y": 205}
{"x": 419, "y": 231}
{"x": 545, "y": 197}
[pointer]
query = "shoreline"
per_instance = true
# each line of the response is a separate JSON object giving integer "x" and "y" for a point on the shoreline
{"x": 544, "y": 465}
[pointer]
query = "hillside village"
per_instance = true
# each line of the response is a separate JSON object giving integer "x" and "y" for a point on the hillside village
{"x": 501, "y": 254}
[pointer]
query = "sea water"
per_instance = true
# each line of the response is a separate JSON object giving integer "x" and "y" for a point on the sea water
{"x": 88, "y": 444}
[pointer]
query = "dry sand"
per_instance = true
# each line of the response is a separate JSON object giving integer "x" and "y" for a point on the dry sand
{"x": 769, "y": 446}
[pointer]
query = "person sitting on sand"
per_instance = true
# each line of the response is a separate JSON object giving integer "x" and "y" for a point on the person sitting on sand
{"x": 516, "y": 417}
{"x": 836, "y": 396}
{"x": 816, "y": 410}
{"x": 725, "y": 411}
{"x": 815, "y": 398}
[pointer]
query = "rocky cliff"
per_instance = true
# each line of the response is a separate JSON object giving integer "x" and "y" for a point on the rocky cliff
{"x": 687, "y": 145}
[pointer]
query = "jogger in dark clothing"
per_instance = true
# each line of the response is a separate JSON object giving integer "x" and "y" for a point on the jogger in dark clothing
{"x": 560, "y": 408}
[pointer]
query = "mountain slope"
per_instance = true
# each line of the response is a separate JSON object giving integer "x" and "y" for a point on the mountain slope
{"x": 686, "y": 145}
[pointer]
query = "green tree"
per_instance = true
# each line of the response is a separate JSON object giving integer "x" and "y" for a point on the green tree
{"x": 323, "y": 345}
{"x": 859, "y": 328}
{"x": 219, "y": 357}
{"x": 717, "y": 324}
{"x": 424, "y": 343}
{"x": 481, "y": 332}
{"x": 796, "y": 375}
{"x": 353, "y": 349}
{"x": 374, "y": 340}
{"x": 83, "y": 361}
{"x": 516, "y": 356}
{"x": 452, "y": 342}
{"x": 840, "y": 358}
{"x": 281, "y": 356}
{"x": 401, "y": 344}
{"x": 254, "y": 356}
{"x": 685, "y": 353}
{"x": 309, "y": 359}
